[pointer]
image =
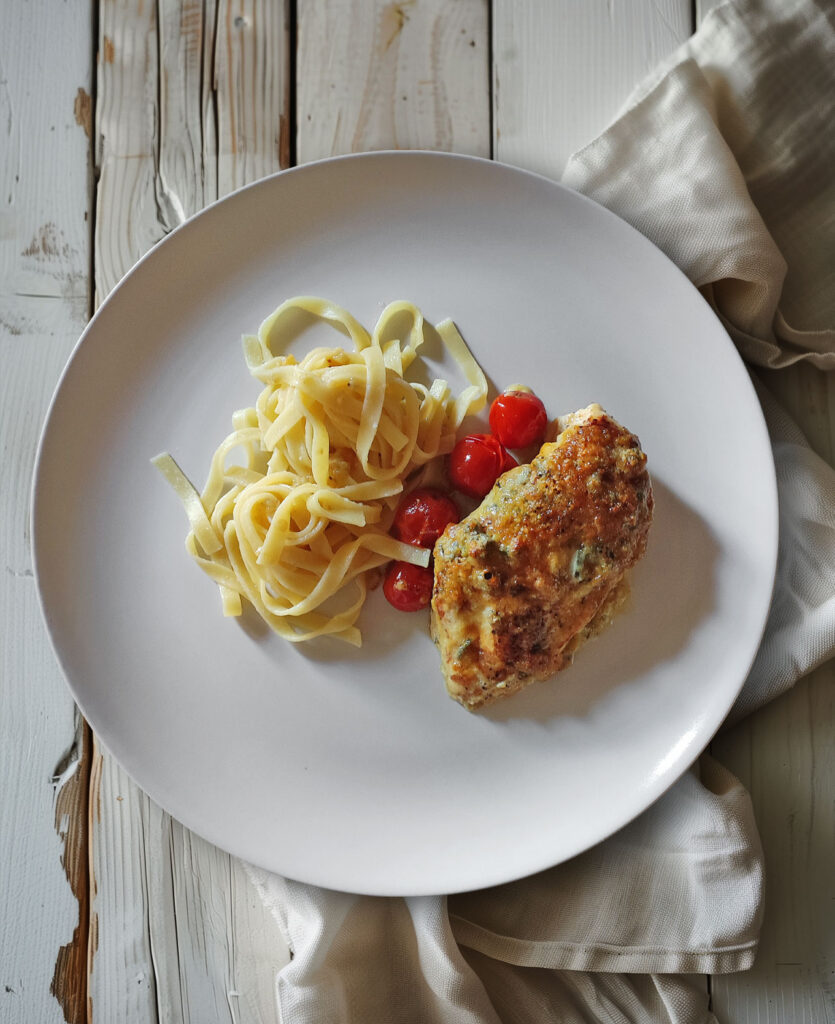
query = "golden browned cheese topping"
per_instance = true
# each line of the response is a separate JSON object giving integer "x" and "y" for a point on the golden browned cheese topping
{"x": 519, "y": 582}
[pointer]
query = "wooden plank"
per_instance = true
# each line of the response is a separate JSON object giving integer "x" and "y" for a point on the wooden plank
{"x": 44, "y": 257}
{"x": 784, "y": 755}
{"x": 563, "y": 69}
{"x": 130, "y": 215}
{"x": 122, "y": 980}
{"x": 252, "y": 90}
{"x": 185, "y": 110}
{"x": 194, "y": 942}
{"x": 177, "y": 930}
{"x": 382, "y": 75}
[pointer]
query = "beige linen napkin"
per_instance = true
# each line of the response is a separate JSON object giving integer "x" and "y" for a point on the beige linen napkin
{"x": 725, "y": 159}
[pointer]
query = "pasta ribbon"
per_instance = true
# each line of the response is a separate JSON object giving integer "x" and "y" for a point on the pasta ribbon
{"x": 297, "y": 521}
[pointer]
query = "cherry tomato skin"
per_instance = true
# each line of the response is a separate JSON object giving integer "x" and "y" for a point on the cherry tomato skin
{"x": 423, "y": 515}
{"x": 476, "y": 462}
{"x": 408, "y": 587}
{"x": 518, "y": 418}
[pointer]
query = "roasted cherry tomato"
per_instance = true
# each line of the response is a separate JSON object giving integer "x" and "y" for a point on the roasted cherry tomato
{"x": 423, "y": 516}
{"x": 518, "y": 418}
{"x": 476, "y": 462}
{"x": 408, "y": 587}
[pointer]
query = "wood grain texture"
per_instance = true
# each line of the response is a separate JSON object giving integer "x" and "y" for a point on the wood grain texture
{"x": 784, "y": 756}
{"x": 192, "y": 102}
{"x": 381, "y": 75}
{"x": 44, "y": 258}
{"x": 122, "y": 963}
{"x": 562, "y": 70}
{"x": 180, "y": 934}
{"x": 186, "y": 177}
{"x": 69, "y": 979}
{"x": 131, "y": 211}
{"x": 252, "y": 90}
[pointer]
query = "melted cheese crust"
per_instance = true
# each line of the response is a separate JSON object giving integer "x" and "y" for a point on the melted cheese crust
{"x": 520, "y": 583}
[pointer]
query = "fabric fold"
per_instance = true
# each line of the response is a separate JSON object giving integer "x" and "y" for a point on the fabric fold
{"x": 723, "y": 157}
{"x": 688, "y": 896}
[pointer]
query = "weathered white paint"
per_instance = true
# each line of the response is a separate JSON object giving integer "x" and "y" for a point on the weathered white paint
{"x": 563, "y": 69}
{"x": 181, "y": 934}
{"x": 131, "y": 214}
{"x": 252, "y": 90}
{"x": 122, "y": 983}
{"x": 784, "y": 756}
{"x": 44, "y": 259}
{"x": 375, "y": 75}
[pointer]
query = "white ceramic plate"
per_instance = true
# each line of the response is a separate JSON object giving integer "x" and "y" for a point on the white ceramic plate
{"x": 353, "y": 769}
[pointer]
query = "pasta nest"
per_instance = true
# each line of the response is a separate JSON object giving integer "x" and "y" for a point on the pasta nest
{"x": 295, "y": 522}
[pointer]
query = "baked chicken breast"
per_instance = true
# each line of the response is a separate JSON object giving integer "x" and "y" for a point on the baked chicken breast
{"x": 539, "y": 566}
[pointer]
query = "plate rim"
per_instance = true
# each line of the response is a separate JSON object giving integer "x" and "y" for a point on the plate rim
{"x": 678, "y": 766}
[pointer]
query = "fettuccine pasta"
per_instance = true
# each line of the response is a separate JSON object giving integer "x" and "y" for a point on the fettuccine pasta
{"x": 294, "y": 523}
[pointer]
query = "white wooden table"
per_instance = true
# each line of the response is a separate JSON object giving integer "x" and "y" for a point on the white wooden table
{"x": 120, "y": 119}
